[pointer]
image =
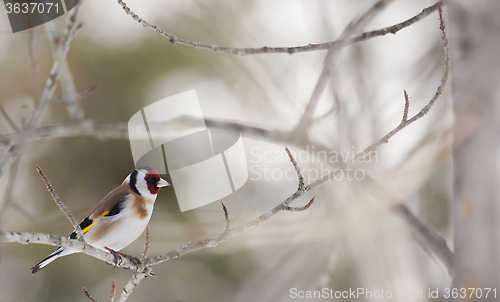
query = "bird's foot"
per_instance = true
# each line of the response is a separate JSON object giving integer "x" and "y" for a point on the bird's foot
{"x": 119, "y": 256}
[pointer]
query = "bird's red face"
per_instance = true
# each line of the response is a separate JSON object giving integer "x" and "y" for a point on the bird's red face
{"x": 154, "y": 181}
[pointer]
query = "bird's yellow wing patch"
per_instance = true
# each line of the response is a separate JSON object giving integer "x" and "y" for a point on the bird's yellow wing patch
{"x": 85, "y": 230}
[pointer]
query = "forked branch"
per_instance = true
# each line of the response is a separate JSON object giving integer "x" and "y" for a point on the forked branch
{"x": 405, "y": 121}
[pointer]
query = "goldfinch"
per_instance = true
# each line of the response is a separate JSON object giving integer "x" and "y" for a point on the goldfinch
{"x": 120, "y": 218}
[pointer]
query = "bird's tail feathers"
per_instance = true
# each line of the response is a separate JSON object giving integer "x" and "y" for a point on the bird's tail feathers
{"x": 56, "y": 254}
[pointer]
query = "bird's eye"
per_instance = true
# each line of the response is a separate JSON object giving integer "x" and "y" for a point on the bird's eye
{"x": 151, "y": 180}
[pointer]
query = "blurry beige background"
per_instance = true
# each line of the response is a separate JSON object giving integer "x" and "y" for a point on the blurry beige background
{"x": 348, "y": 239}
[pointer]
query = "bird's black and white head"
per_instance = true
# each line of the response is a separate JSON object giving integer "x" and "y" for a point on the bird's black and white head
{"x": 146, "y": 182}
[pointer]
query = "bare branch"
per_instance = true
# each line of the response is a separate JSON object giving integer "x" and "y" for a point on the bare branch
{"x": 61, "y": 205}
{"x": 113, "y": 291}
{"x": 214, "y": 241}
{"x": 429, "y": 105}
{"x": 226, "y": 216}
{"x": 228, "y": 233}
{"x": 88, "y": 295}
{"x": 65, "y": 98}
{"x": 287, "y": 50}
{"x": 57, "y": 240}
{"x": 297, "y": 169}
{"x": 300, "y": 209}
{"x": 407, "y": 107}
{"x": 111, "y": 297}
{"x": 146, "y": 245}
{"x": 432, "y": 240}
{"x": 131, "y": 284}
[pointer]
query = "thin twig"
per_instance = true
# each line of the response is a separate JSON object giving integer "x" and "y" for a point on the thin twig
{"x": 300, "y": 209}
{"x": 65, "y": 98}
{"x": 297, "y": 169}
{"x": 111, "y": 296}
{"x": 88, "y": 295}
{"x": 61, "y": 205}
{"x": 146, "y": 245}
{"x": 113, "y": 291}
{"x": 286, "y": 50}
{"x": 404, "y": 123}
{"x": 226, "y": 216}
{"x": 407, "y": 107}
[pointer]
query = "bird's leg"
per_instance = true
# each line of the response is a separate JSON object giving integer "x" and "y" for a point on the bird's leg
{"x": 118, "y": 257}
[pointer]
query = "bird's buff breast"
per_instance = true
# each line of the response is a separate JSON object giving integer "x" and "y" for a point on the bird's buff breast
{"x": 117, "y": 232}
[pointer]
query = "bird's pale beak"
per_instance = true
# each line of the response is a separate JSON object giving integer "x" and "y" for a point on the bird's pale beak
{"x": 163, "y": 183}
